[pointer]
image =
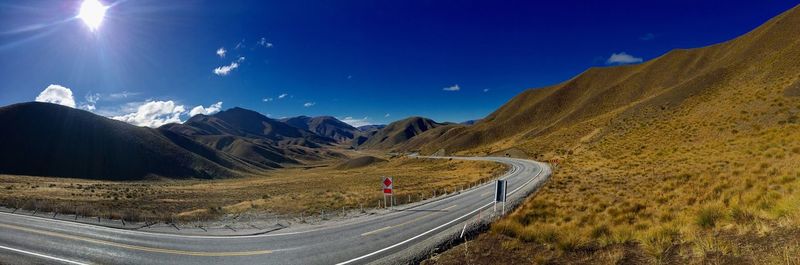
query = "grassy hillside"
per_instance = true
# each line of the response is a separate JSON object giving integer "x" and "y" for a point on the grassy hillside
{"x": 51, "y": 140}
{"x": 398, "y": 132}
{"x": 326, "y": 126}
{"x": 688, "y": 158}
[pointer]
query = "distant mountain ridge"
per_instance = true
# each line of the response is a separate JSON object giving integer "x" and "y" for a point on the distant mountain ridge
{"x": 398, "y": 132}
{"x": 326, "y": 126}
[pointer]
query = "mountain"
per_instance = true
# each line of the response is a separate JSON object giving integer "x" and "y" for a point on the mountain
{"x": 373, "y": 127}
{"x": 364, "y": 133}
{"x": 470, "y": 122}
{"x": 326, "y": 126}
{"x": 600, "y": 100}
{"x": 398, "y": 132}
{"x": 53, "y": 140}
{"x": 255, "y": 138}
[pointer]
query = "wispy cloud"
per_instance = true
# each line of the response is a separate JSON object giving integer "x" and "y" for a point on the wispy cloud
{"x": 225, "y": 69}
{"x": 387, "y": 115}
{"x": 57, "y": 94}
{"x": 623, "y": 58}
{"x": 214, "y": 108}
{"x": 221, "y": 52}
{"x": 121, "y": 95}
{"x": 263, "y": 42}
{"x": 281, "y": 96}
{"x": 452, "y": 88}
{"x": 267, "y": 99}
{"x": 356, "y": 122}
{"x": 90, "y": 101}
{"x": 309, "y": 104}
{"x": 154, "y": 114}
{"x": 485, "y": 90}
{"x": 239, "y": 45}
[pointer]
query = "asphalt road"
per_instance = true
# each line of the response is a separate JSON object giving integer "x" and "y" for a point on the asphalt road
{"x": 26, "y": 239}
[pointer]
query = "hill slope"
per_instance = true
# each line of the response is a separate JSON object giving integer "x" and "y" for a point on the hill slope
{"x": 326, "y": 126}
{"x": 254, "y": 138}
{"x": 398, "y": 132}
{"x": 693, "y": 147}
{"x": 52, "y": 140}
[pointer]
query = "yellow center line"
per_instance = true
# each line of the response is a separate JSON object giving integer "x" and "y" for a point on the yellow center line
{"x": 404, "y": 223}
{"x": 141, "y": 248}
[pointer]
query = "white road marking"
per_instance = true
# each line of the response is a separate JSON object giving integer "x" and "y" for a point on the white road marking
{"x": 438, "y": 227}
{"x": 42, "y": 255}
{"x": 167, "y": 235}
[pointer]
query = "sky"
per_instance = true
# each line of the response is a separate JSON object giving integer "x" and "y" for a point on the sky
{"x": 152, "y": 62}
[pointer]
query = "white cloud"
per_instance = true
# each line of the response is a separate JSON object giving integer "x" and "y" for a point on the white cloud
{"x": 239, "y": 45}
{"x": 356, "y": 122}
{"x": 221, "y": 52}
{"x": 267, "y": 99}
{"x": 485, "y": 90}
{"x": 57, "y": 94}
{"x": 241, "y": 59}
{"x": 214, "y": 108}
{"x": 387, "y": 115}
{"x": 225, "y": 69}
{"x": 263, "y": 42}
{"x": 154, "y": 114}
{"x": 122, "y": 95}
{"x": 91, "y": 101}
{"x": 282, "y": 96}
{"x": 309, "y": 104}
{"x": 452, "y": 88}
{"x": 622, "y": 58}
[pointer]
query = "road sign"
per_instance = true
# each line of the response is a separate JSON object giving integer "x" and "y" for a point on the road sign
{"x": 388, "y": 185}
{"x": 500, "y": 191}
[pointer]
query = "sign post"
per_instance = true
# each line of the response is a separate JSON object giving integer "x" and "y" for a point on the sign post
{"x": 388, "y": 189}
{"x": 500, "y": 194}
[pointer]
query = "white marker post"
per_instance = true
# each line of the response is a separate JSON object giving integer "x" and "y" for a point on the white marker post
{"x": 500, "y": 194}
{"x": 388, "y": 188}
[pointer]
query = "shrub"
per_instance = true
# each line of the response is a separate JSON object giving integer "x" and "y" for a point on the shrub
{"x": 708, "y": 217}
{"x": 600, "y": 231}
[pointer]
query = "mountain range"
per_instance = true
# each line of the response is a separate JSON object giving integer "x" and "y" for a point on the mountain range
{"x": 54, "y": 140}
{"x": 51, "y": 140}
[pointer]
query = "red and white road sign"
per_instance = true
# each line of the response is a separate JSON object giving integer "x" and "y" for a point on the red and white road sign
{"x": 388, "y": 185}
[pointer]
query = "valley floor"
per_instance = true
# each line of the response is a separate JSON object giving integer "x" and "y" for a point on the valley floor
{"x": 306, "y": 190}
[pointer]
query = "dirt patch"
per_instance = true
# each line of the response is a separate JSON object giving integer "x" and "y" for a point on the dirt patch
{"x": 792, "y": 90}
{"x": 359, "y": 162}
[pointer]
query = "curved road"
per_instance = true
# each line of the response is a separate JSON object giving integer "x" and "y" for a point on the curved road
{"x": 26, "y": 239}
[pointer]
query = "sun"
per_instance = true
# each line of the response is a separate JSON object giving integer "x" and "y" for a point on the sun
{"x": 92, "y": 13}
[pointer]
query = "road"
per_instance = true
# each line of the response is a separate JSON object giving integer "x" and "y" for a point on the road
{"x": 393, "y": 237}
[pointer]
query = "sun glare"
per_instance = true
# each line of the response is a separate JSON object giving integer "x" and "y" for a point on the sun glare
{"x": 92, "y": 13}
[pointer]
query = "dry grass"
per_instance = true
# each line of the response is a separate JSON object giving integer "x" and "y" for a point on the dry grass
{"x": 306, "y": 190}
{"x": 696, "y": 166}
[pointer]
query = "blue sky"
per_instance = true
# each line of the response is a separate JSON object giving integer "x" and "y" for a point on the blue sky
{"x": 357, "y": 59}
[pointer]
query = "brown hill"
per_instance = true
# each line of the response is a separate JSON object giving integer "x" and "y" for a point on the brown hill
{"x": 656, "y": 86}
{"x": 398, "y": 132}
{"x": 254, "y": 138}
{"x": 659, "y": 158}
{"x": 359, "y": 162}
{"x": 45, "y": 139}
{"x": 326, "y": 126}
